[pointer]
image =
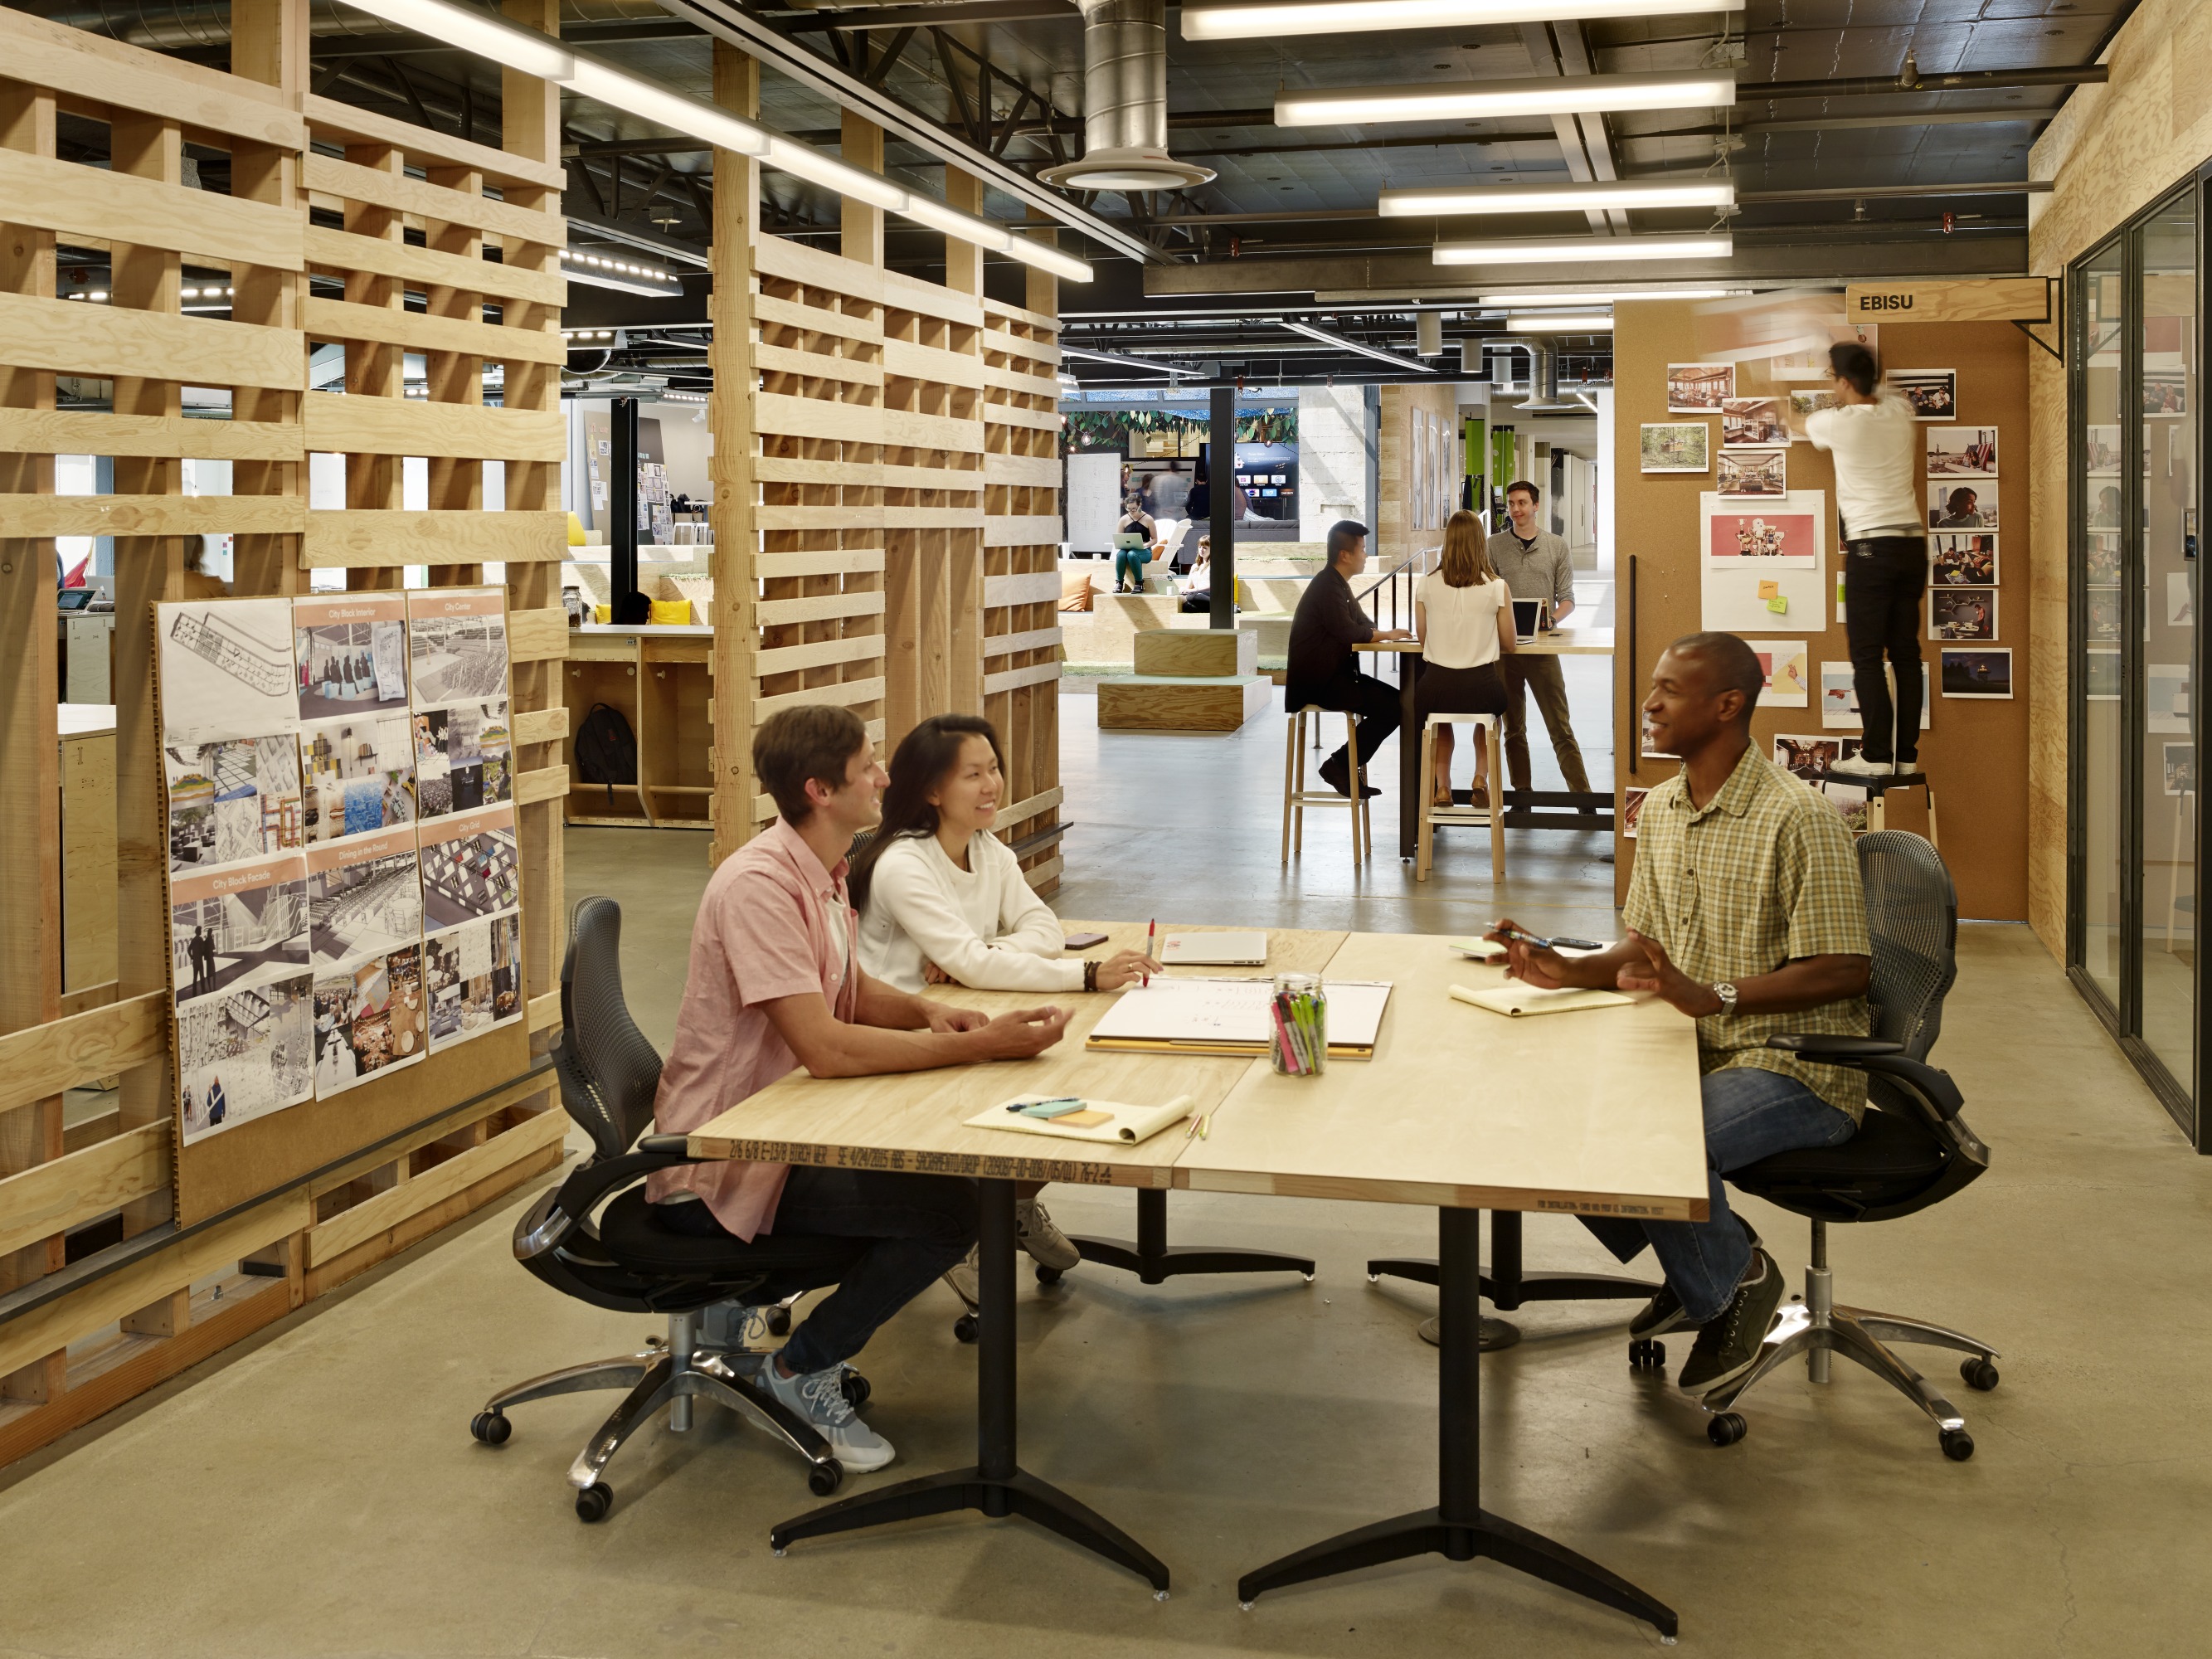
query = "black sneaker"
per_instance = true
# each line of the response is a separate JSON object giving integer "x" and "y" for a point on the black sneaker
{"x": 1335, "y": 772}
{"x": 1662, "y": 1314}
{"x": 1728, "y": 1346}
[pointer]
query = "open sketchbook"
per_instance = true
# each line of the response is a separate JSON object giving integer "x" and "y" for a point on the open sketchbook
{"x": 1231, "y": 1017}
{"x": 1516, "y": 998}
{"x": 1128, "y": 1125}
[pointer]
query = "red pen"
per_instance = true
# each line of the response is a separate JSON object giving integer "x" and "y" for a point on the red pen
{"x": 1150, "y": 928}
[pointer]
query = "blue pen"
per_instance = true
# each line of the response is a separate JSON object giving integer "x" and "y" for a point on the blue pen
{"x": 1057, "y": 1100}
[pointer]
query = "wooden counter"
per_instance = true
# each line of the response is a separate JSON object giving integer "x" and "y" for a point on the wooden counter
{"x": 661, "y": 680}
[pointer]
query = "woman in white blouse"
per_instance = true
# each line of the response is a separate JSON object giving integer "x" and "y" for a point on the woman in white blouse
{"x": 942, "y": 898}
{"x": 1463, "y": 614}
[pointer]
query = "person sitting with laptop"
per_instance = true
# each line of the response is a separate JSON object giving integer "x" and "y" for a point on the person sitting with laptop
{"x": 1746, "y": 913}
{"x": 774, "y": 983}
{"x": 1327, "y": 623}
{"x": 1464, "y": 613}
{"x": 1133, "y": 547}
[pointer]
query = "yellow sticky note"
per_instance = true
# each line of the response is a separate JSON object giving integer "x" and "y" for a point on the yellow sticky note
{"x": 1770, "y": 589}
{"x": 1778, "y": 604}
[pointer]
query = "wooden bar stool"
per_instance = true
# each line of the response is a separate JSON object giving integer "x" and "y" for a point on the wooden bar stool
{"x": 1432, "y": 815}
{"x": 1296, "y": 797}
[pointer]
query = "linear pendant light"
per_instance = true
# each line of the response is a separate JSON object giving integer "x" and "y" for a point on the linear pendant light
{"x": 1561, "y": 322}
{"x": 1292, "y": 20}
{"x": 1468, "y": 100}
{"x": 533, "y": 53}
{"x": 1603, "y": 297}
{"x": 1582, "y": 249}
{"x": 1456, "y": 202}
{"x": 1314, "y": 332}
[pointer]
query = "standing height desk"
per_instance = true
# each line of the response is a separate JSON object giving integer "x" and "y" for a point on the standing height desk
{"x": 1458, "y": 1109}
{"x": 1525, "y": 809}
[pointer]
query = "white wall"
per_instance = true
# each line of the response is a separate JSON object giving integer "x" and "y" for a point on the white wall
{"x": 1332, "y": 457}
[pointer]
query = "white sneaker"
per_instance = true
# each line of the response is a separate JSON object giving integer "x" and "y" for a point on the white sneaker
{"x": 818, "y": 1397}
{"x": 1858, "y": 766}
{"x": 963, "y": 1277}
{"x": 1035, "y": 1232}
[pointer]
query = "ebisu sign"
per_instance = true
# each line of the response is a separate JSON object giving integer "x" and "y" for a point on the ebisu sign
{"x": 1869, "y": 302}
{"x": 1999, "y": 298}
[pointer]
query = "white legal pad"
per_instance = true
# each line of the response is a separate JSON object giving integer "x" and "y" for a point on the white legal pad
{"x": 1514, "y": 998}
{"x": 1231, "y": 1017}
{"x": 1227, "y": 949}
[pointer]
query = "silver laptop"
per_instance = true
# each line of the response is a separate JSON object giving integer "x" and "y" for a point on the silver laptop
{"x": 1530, "y": 618}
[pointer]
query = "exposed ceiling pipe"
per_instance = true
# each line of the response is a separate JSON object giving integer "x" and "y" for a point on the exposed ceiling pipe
{"x": 1125, "y": 104}
{"x": 1910, "y": 79}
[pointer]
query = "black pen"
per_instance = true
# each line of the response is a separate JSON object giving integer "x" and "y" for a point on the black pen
{"x": 1504, "y": 931}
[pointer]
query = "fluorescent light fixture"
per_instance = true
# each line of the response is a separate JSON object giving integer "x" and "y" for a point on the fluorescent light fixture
{"x": 1120, "y": 361}
{"x": 805, "y": 161}
{"x": 1582, "y": 249}
{"x": 984, "y": 233}
{"x": 1556, "y": 198}
{"x": 1030, "y": 251}
{"x": 1470, "y": 101}
{"x": 1301, "y": 18}
{"x": 478, "y": 32}
{"x": 1561, "y": 322}
{"x": 667, "y": 107}
{"x": 1312, "y": 332}
{"x": 1611, "y": 296}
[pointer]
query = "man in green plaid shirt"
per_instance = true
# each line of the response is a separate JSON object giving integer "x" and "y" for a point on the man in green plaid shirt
{"x": 1745, "y": 912}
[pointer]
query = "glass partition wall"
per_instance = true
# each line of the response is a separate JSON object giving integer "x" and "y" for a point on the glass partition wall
{"x": 2135, "y": 447}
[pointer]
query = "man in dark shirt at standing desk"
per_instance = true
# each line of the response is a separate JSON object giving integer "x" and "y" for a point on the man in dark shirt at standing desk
{"x": 1328, "y": 622}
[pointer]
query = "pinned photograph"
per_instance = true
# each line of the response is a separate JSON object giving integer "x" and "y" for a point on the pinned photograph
{"x": 1811, "y": 760}
{"x": 2100, "y": 451}
{"x": 2180, "y": 766}
{"x": 2101, "y": 561}
{"x": 2104, "y": 508}
{"x": 352, "y": 655}
{"x": 1804, "y": 402}
{"x": 2181, "y": 597}
{"x": 1962, "y": 613}
{"x": 2104, "y": 618}
{"x": 1933, "y": 393}
{"x": 1984, "y": 673}
{"x": 2166, "y": 697}
{"x": 1752, "y": 422}
{"x": 1839, "y": 697}
{"x": 2164, "y": 397}
{"x": 232, "y": 928}
{"x": 363, "y": 898}
{"x": 461, "y": 758}
{"x": 1962, "y": 507}
{"x": 245, "y": 1054}
{"x": 1782, "y": 662}
{"x": 1786, "y": 533}
{"x": 1698, "y": 388}
{"x": 469, "y": 868}
{"x": 2102, "y": 672}
{"x": 1632, "y": 811}
{"x": 369, "y": 1018}
{"x": 1964, "y": 559}
{"x": 1966, "y": 451}
{"x": 1754, "y": 472}
{"x": 1677, "y": 447}
{"x": 474, "y": 986}
{"x": 233, "y": 801}
{"x": 458, "y": 646}
{"x": 361, "y": 775}
{"x": 226, "y": 669}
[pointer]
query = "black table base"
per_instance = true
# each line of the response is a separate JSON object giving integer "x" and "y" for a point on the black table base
{"x": 1459, "y": 1528}
{"x": 997, "y": 1485}
{"x": 1507, "y": 1287}
{"x": 1153, "y": 1259}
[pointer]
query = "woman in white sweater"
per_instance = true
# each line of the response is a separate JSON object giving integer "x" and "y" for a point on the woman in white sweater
{"x": 942, "y": 898}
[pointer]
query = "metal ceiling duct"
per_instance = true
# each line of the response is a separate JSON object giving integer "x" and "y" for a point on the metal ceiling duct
{"x": 1125, "y": 104}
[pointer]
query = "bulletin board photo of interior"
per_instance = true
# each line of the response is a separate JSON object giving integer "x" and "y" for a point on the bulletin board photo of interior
{"x": 343, "y": 888}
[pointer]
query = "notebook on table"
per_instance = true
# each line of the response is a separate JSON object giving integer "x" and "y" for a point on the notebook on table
{"x": 1124, "y": 1124}
{"x": 1224, "y": 950}
{"x": 1198, "y": 1015}
{"x": 1515, "y": 999}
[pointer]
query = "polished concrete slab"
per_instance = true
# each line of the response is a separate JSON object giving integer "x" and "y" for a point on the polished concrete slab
{"x": 316, "y": 1493}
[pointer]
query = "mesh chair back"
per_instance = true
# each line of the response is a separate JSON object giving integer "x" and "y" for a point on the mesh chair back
{"x": 608, "y": 1069}
{"x": 1912, "y": 918}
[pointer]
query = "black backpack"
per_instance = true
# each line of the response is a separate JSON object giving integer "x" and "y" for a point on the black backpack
{"x": 606, "y": 749}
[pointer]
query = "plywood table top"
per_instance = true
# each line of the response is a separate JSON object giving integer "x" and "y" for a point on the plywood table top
{"x": 1570, "y": 641}
{"x": 916, "y": 1121}
{"x": 1596, "y": 1112}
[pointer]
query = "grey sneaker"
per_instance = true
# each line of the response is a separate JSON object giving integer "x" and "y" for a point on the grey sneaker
{"x": 1728, "y": 1346}
{"x": 961, "y": 1276}
{"x": 1035, "y": 1232}
{"x": 818, "y": 1397}
{"x": 1858, "y": 766}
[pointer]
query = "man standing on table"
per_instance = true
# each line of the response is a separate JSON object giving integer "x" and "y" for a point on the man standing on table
{"x": 1746, "y": 913}
{"x": 1536, "y": 566}
{"x": 776, "y": 983}
{"x": 1328, "y": 622}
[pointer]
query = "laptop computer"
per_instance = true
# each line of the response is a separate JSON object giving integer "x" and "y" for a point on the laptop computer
{"x": 1530, "y": 617}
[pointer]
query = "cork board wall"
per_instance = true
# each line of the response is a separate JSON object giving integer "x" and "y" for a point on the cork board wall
{"x": 1975, "y": 749}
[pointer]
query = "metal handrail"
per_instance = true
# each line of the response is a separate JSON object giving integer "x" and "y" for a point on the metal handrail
{"x": 1401, "y": 576}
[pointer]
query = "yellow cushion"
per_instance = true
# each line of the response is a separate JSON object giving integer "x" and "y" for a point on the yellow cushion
{"x": 672, "y": 613}
{"x": 604, "y": 614}
{"x": 576, "y": 531}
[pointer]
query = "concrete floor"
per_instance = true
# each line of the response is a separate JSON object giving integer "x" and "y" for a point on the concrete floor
{"x": 315, "y": 1491}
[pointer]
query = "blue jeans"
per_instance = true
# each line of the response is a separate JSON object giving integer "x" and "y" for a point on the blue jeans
{"x": 921, "y": 1224}
{"x": 1749, "y": 1115}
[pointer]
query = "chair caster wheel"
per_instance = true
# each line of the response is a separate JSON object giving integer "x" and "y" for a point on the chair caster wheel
{"x": 1375, "y": 1278}
{"x": 491, "y": 1427}
{"x": 778, "y": 1551}
{"x": 1159, "y": 1596}
{"x": 824, "y": 1477}
{"x": 1727, "y": 1429}
{"x": 1958, "y": 1444}
{"x": 1979, "y": 1374}
{"x": 856, "y": 1390}
{"x": 1309, "y": 1277}
{"x": 779, "y": 1320}
{"x": 1647, "y": 1354}
{"x": 1047, "y": 1275}
{"x": 594, "y": 1501}
{"x": 963, "y": 1327}
{"x": 1243, "y": 1607}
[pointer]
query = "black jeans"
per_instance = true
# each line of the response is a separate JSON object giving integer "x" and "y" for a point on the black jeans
{"x": 1883, "y": 581}
{"x": 922, "y": 1226}
{"x": 1376, "y": 703}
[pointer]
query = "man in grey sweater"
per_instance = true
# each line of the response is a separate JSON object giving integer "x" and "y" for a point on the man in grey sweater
{"x": 1536, "y": 566}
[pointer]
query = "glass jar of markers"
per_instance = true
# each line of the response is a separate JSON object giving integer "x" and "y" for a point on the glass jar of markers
{"x": 1297, "y": 1017}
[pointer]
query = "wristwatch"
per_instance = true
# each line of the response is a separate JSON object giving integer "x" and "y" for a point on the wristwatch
{"x": 1726, "y": 993}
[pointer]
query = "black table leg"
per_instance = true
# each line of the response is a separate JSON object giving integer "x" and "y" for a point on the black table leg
{"x": 1152, "y": 1259}
{"x": 997, "y": 1485}
{"x": 1508, "y": 1287}
{"x": 1412, "y": 787}
{"x": 1459, "y": 1528}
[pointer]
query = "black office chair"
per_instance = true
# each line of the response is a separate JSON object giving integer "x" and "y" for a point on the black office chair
{"x": 627, "y": 1262}
{"x": 1913, "y": 1149}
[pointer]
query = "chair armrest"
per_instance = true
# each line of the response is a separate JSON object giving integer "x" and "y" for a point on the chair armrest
{"x": 1933, "y": 1088}
{"x": 1837, "y": 1050}
{"x": 566, "y": 1207}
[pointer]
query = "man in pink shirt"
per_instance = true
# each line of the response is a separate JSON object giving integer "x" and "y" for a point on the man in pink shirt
{"x": 776, "y": 983}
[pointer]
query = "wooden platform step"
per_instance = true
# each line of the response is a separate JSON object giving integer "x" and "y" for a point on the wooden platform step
{"x": 1212, "y": 654}
{"x": 1182, "y": 702}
